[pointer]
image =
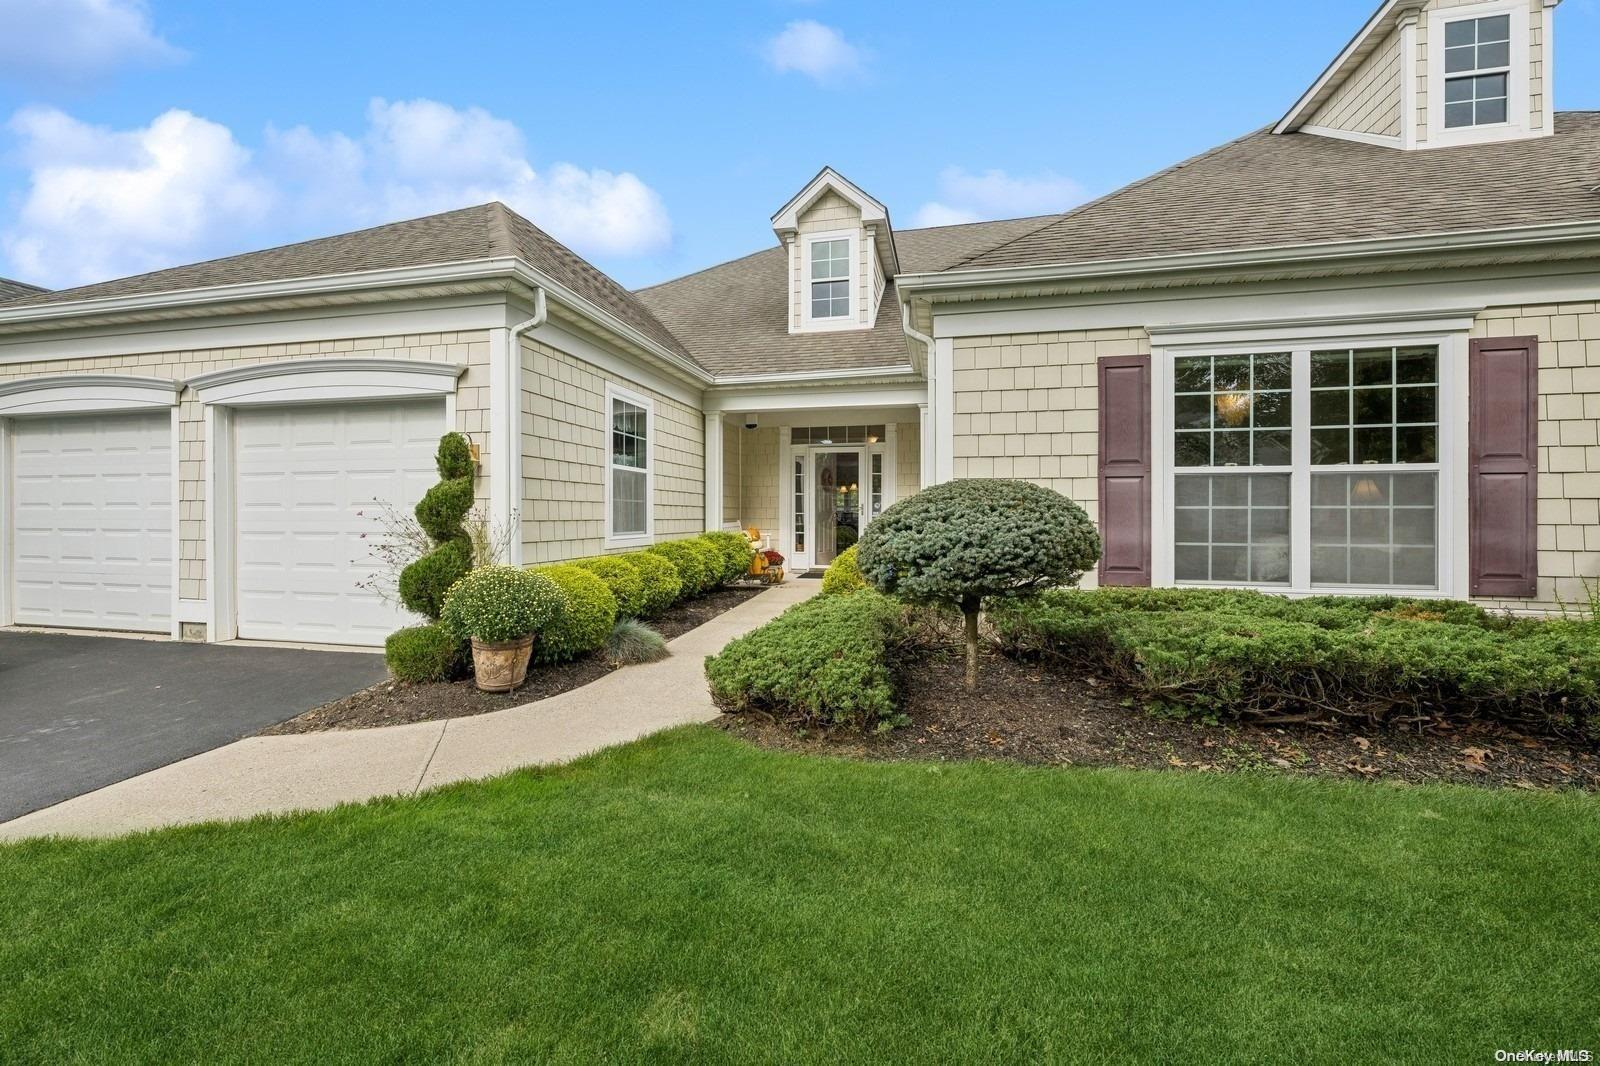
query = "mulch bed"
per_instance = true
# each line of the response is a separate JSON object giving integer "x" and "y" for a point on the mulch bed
{"x": 395, "y": 703}
{"x": 1027, "y": 713}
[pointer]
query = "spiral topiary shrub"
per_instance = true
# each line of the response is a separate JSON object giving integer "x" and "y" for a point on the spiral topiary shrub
{"x": 424, "y": 653}
{"x": 843, "y": 575}
{"x": 590, "y": 614}
{"x": 698, "y": 563}
{"x": 622, "y": 578}
{"x": 500, "y": 603}
{"x": 963, "y": 542}
{"x": 423, "y": 584}
{"x": 736, "y": 551}
{"x": 662, "y": 584}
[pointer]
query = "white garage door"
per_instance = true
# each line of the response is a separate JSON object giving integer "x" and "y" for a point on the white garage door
{"x": 304, "y": 474}
{"x": 93, "y": 507}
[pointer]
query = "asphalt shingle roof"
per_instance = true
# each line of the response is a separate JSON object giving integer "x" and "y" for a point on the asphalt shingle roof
{"x": 1265, "y": 190}
{"x": 735, "y": 316}
{"x": 486, "y": 231}
{"x": 16, "y": 290}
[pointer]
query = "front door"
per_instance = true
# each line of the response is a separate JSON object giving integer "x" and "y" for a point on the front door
{"x": 837, "y": 478}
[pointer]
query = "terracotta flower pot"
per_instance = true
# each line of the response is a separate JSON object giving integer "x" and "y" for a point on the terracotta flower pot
{"x": 500, "y": 666}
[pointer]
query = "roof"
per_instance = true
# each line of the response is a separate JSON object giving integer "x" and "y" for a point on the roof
{"x": 487, "y": 231}
{"x": 15, "y": 290}
{"x": 1268, "y": 190}
{"x": 734, "y": 317}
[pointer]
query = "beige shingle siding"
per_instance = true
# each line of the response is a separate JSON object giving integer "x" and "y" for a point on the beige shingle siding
{"x": 565, "y": 457}
{"x": 1369, "y": 100}
{"x": 751, "y": 457}
{"x": 1569, "y": 444}
{"x": 907, "y": 460}
{"x": 1026, "y": 406}
{"x": 469, "y": 349}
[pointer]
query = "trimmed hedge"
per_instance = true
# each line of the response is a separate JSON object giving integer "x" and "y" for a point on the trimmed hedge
{"x": 424, "y": 653}
{"x": 662, "y": 584}
{"x": 590, "y": 614}
{"x": 843, "y": 575}
{"x": 736, "y": 551}
{"x": 622, "y": 578}
{"x": 1386, "y": 658}
{"x": 699, "y": 564}
{"x": 824, "y": 661}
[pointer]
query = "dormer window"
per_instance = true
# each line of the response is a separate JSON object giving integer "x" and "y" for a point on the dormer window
{"x": 1477, "y": 64}
{"x": 830, "y": 278}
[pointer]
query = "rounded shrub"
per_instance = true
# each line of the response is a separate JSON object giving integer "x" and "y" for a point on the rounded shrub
{"x": 440, "y": 512}
{"x": 660, "y": 580}
{"x": 622, "y": 578}
{"x": 498, "y": 603}
{"x": 423, "y": 653}
{"x": 698, "y": 563}
{"x": 590, "y": 614}
{"x": 962, "y": 542}
{"x": 843, "y": 575}
{"x": 632, "y": 642}
{"x": 736, "y": 551}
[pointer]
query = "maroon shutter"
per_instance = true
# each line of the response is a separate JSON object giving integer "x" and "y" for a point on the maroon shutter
{"x": 1503, "y": 486}
{"x": 1125, "y": 470}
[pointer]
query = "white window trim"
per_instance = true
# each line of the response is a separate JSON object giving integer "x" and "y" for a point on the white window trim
{"x": 848, "y": 321}
{"x": 1451, "y": 511}
{"x": 648, "y": 537}
{"x": 1517, "y": 118}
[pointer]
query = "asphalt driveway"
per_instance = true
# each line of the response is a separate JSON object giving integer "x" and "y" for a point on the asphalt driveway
{"x": 80, "y": 712}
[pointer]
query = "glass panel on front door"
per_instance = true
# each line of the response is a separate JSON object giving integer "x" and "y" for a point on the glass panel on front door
{"x": 838, "y": 504}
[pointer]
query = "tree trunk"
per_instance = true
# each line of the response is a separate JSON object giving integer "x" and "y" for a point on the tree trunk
{"x": 970, "y": 608}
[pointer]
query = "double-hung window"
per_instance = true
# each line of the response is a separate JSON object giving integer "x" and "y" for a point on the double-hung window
{"x": 1477, "y": 71}
{"x": 830, "y": 279}
{"x": 1313, "y": 469}
{"x": 628, "y": 509}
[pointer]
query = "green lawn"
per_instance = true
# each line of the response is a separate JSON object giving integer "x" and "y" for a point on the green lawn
{"x": 691, "y": 897}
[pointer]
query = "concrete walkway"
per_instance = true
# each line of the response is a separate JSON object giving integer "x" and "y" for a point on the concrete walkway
{"x": 313, "y": 771}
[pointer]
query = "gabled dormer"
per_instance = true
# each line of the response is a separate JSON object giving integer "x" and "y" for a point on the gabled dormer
{"x": 841, "y": 251}
{"x": 1437, "y": 73}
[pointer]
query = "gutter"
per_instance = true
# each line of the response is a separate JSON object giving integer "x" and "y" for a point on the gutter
{"x": 1322, "y": 252}
{"x": 910, "y": 331}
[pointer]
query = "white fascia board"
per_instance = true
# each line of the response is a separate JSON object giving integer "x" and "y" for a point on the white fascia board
{"x": 755, "y": 399}
{"x": 1274, "y": 256}
{"x": 1327, "y": 299}
{"x": 1379, "y": 21}
{"x": 227, "y": 329}
{"x": 212, "y": 295}
{"x": 810, "y": 377}
{"x": 615, "y": 361}
{"x": 673, "y": 361}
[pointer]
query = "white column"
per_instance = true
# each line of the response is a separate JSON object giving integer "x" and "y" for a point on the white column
{"x": 924, "y": 446}
{"x": 714, "y": 471}
{"x": 943, "y": 393}
{"x": 505, "y": 439}
{"x": 7, "y": 525}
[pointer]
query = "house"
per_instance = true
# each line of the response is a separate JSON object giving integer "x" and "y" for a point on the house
{"x": 1357, "y": 350}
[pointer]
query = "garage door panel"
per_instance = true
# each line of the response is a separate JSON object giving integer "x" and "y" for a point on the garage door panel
{"x": 307, "y": 481}
{"x": 92, "y": 544}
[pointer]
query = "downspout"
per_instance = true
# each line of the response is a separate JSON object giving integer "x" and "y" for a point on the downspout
{"x": 926, "y": 445}
{"x": 508, "y": 429}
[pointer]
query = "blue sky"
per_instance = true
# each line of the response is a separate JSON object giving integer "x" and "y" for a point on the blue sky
{"x": 654, "y": 138}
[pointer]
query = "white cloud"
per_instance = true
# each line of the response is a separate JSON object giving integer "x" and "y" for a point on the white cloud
{"x": 72, "y": 41}
{"x": 103, "y": 203}
{"x": 417, "y": 157}
{"x": 818, "y": 51}
{"x": 968, "y": 197}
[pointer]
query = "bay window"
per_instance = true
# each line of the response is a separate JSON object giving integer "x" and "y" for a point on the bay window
{"x": 1315, "y": 469}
